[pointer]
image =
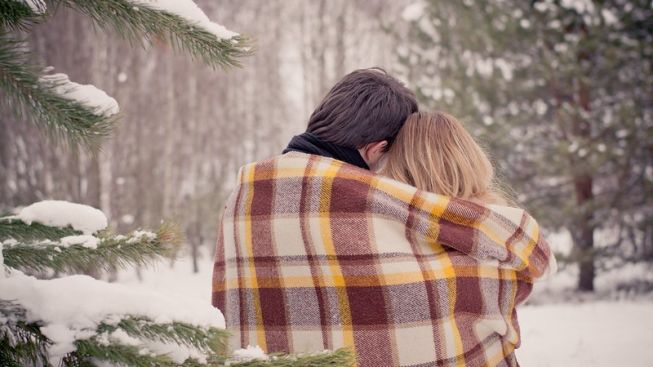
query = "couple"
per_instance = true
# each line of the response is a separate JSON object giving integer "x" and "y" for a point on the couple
{"x": 379, "y": 229}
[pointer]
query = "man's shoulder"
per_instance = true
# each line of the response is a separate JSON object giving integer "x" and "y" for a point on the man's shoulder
{"x": 293, "y": 164}
{"x": 285, "y": 159}
{"x": 300, "y": 165}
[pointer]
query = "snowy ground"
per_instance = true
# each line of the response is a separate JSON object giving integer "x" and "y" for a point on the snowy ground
{"x": 599, "y": 333}
{"x": 559, "y": 329}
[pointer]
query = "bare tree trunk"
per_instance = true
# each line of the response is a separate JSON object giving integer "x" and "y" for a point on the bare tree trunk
{"x": 583, "y": 183}
{"x": 584, "y": 238}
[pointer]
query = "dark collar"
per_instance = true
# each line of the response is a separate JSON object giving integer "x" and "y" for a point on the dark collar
{"x": 311, "y": 144}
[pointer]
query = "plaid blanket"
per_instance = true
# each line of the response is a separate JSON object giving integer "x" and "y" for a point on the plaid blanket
{"x": 316, "y": 254}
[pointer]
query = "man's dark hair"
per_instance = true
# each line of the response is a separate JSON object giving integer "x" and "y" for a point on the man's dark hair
{"x": 365, "y": 106}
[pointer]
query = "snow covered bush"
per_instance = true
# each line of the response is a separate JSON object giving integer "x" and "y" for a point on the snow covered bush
{"x": 76, "y": 319}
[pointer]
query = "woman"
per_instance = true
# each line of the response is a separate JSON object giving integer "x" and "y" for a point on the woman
{"x": 433, "y": 152}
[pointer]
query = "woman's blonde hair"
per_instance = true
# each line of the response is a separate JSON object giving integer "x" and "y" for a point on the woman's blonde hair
{"x": 435, "y": 153}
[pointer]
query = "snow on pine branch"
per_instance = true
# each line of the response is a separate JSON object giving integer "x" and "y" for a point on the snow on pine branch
{"x": 59, "y": 213}
{"x": 84, "y": 240}
{"x": 188, "y": 10}
{"x": 88, "y": 303}
{"x": 78, "y": 318}
{"x": 88, "y": 95}
{"x": 68, "y": 230}
{"x": 252, "y": 352}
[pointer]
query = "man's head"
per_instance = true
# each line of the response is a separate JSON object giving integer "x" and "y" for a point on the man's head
{"x": 364, "y": 110}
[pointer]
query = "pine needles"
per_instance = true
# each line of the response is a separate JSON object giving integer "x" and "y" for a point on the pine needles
{"x": 33, "y": 95}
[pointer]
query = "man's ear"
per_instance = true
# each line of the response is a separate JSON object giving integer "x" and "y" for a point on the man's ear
{"x": 373, "y": 152}
{"x": 377, "y": 148}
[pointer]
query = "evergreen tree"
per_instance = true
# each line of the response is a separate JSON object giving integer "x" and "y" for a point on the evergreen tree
{"x": 560, "y": 92}
{"x": 50, "y": 100}
{"x": 57, "y": 240}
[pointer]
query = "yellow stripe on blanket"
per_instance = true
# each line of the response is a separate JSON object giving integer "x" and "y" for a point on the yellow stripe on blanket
{"x": 260, "y": 330}
{"x": 325, "y": 231}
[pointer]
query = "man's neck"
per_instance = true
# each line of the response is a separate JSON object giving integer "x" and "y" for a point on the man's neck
{"x": 311, "y": 144}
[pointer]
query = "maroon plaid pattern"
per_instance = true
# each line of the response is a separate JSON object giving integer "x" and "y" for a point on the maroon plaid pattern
{"x": 316, "y": 254}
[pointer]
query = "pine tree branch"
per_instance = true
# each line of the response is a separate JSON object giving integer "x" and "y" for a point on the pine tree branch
{"x": 338, "y": 358}
{"x": 130, "y": 356}
{"x": 123, "y": 355}
{"x": 143, "y": 23}
{"x": 112, "y": 252}
{"x": 11, "y": 227}
{"x": 21, "y": 343}
{"x": 209, "y": 340}
{"x": 30, "y": 98}
{"x": 17, "y": 15}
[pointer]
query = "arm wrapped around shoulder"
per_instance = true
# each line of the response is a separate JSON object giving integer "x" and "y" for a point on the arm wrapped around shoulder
{"x": 502, "y": 235}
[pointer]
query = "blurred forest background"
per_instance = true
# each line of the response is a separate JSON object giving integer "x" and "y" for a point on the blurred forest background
{"x": 560, "y": 92}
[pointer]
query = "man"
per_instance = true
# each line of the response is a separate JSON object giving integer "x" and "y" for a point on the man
{"x": 358, "y": 119}
{"x": 316, "y": 252}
